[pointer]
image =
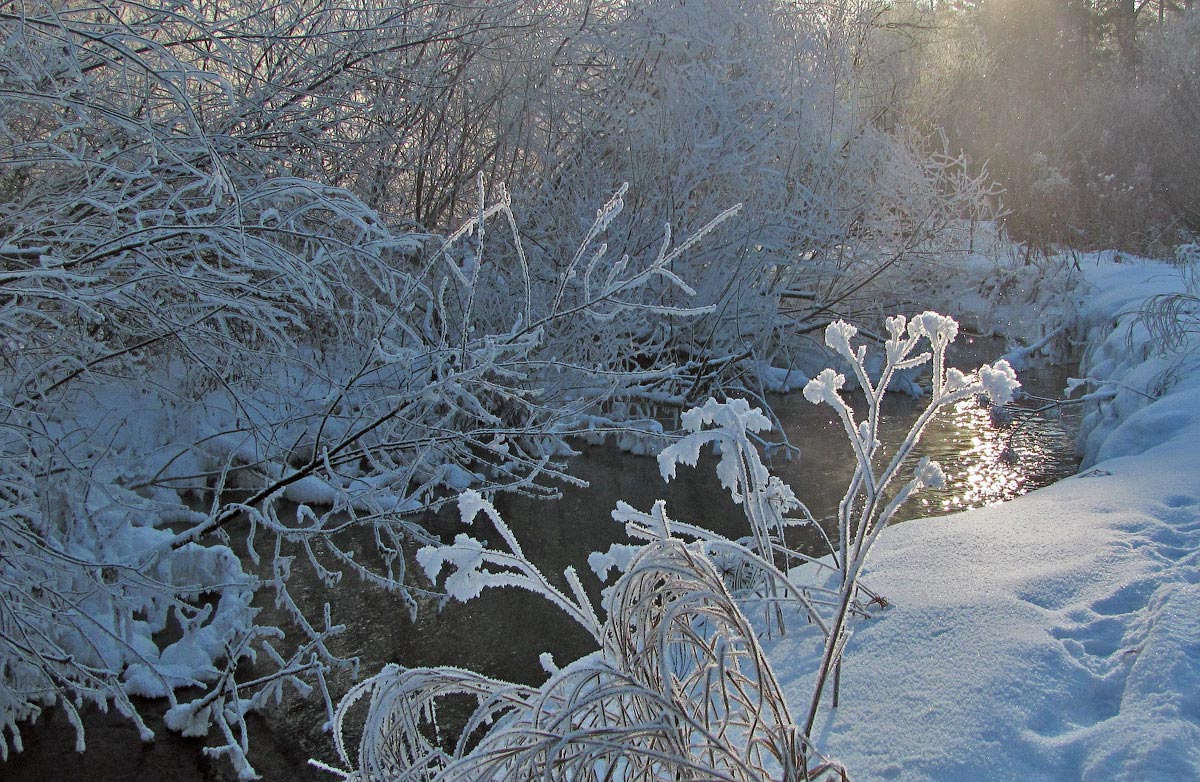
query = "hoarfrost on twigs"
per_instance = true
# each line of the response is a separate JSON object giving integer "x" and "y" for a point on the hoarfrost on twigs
{"x": 999, "y": 382}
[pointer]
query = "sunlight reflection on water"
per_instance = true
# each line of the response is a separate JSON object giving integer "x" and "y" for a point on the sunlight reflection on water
{"x": 986, "y": 458}
{"x": 989, "y": 459}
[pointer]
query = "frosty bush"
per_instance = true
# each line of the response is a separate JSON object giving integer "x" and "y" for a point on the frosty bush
{"x": 436, "y": 402}
{"x": 679, "y": 685}
{"x": 187, "y": 318}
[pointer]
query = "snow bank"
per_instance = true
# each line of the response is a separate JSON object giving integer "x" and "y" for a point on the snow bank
{"x": 1057, "y": 636}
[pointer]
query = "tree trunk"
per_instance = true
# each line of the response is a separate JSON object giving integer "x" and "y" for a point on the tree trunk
{"x": 1125, "y": 28}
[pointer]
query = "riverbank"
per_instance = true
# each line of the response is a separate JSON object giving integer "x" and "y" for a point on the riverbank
{"x": 1056, "y": 636}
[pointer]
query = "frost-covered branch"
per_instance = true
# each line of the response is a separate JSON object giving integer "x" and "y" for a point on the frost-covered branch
{"x": 866, "y": 508}
{"x": 477, "y": 568}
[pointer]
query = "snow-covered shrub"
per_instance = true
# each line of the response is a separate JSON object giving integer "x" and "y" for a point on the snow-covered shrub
{"x": 96, "y": 607}
{"x": 183, "y": 314}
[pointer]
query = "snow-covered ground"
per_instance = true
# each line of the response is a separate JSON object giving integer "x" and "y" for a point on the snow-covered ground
{"x": 1057, "y": 636}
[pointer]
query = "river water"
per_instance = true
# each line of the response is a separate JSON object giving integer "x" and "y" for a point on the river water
{"x": 503, "y": 632}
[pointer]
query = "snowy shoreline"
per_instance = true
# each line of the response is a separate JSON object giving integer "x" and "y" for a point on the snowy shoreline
{"x": 1056, "y": 636}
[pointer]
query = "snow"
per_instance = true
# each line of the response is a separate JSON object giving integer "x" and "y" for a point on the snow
{"x": 999, "y": 382}
{"x": 781, "y": 380}
{"x": 1056, "y": 636}
{"x": 824, "y": 387}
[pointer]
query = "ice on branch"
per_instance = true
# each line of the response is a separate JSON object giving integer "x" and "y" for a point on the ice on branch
{"x": 929, "y": 474}
{"x": 731, "y": 422}
{"x": 735, "y": 414}
{"x": 937, "y": 327}
{"x": 466, "y": 557}
{"x": 999, "y": 382}
{"x": 477, "y": 567}
{"x": 838, "y": 336}
{"x": 955, "y": 380}
{"x": 825, "y": 387}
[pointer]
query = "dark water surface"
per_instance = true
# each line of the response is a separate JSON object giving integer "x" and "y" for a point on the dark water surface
{"x": 503, "y": 632}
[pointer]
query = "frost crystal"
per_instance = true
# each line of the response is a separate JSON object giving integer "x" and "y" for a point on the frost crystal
{"x": 935, "y": 325}
{"x": 955, "y": 380}
{"x": 838, "y": 336}
{"x": 781, "y": 496}
{"x": 470, "y": 503}
{"x": 929, "y": 474}
{"x": 999, "y": 382}
{"x": 736, "y": 413}
{"x": 466, "y": 555}
{"x": 825, "y": 386}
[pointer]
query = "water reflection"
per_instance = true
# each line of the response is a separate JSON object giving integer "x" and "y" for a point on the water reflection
{"x": 988, "y": 460}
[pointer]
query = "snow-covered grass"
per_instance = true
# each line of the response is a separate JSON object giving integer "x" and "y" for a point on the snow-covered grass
{"x": 1056, "y": 636}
